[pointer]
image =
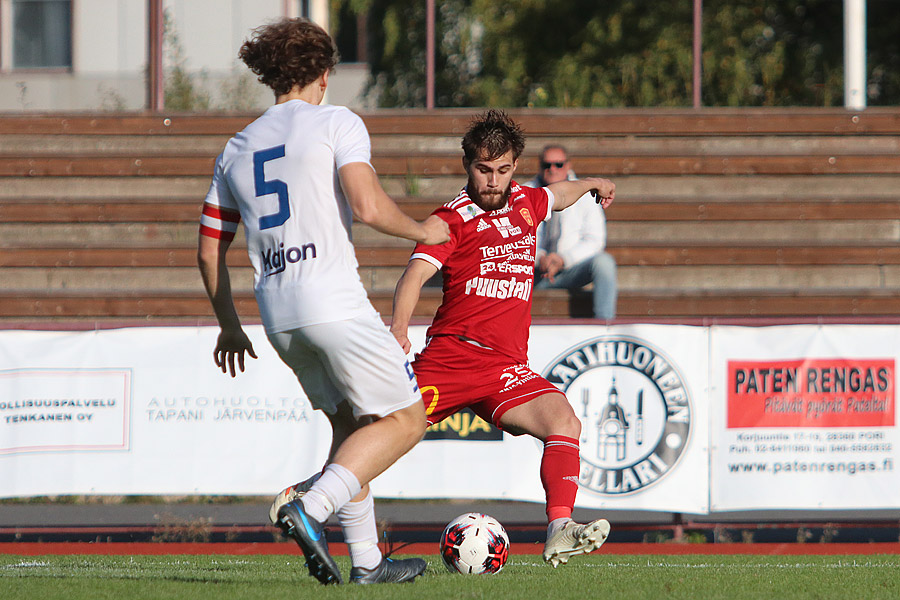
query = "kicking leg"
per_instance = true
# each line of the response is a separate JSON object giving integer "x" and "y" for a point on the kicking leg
{"x": 550, "y": 418}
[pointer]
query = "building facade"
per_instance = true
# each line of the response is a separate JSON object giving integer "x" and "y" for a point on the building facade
{"x": 89, "y": 55}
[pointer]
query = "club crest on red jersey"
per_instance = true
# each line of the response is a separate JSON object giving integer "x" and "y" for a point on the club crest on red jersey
{"x": 526, "y": 214}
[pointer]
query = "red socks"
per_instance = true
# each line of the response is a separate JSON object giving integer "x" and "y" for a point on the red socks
{"x": 559, "y": 475}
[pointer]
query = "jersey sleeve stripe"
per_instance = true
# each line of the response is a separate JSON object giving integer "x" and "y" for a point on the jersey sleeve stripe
{"x": 219, "y": 223}
{"x": 427, "y": 258}
{"x": 551, "y": 200}
{"x": 216, "y": 233}
{"x": 223, "y": 214}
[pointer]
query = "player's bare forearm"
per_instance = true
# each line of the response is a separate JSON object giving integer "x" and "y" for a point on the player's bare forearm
{"x": 375, "y": 208}
{"x": 406, "y": 296}
{"x": 566, "y": 193}
{"x": 214, "y": 271}
{"x": 232, "y": 342}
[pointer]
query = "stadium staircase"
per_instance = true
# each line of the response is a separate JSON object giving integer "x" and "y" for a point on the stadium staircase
{"x": 721, "y": 214}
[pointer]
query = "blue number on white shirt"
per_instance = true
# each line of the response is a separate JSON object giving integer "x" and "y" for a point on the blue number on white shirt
{"x": 272, "y": 186}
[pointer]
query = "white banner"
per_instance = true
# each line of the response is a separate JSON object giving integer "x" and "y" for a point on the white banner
{"x": 145, "y": 411}
{"x": 674, "y": 418}
{"x": 804, "y": 417}
{"x": 640, "y": 392}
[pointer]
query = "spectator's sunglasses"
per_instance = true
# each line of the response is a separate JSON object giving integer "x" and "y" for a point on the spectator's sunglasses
{"x": 547, "y": 165}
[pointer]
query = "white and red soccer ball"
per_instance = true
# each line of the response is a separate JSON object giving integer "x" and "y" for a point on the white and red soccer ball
{"x": 474, "y": 543}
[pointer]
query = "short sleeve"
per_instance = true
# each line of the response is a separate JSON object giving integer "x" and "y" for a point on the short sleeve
{"x": 543, "y": 203}
{"x": 351, "y": 140}
{"x": 219, "y": 193}
{"x": 439, "y": 254}
{"x": 220, "y": 216}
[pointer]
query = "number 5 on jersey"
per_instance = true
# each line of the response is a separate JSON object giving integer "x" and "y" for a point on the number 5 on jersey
{"x": 272, "y": 186}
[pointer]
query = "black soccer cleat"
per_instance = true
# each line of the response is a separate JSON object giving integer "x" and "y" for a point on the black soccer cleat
{"x": 310, "y": 536}
{"x": 389, "y": 571}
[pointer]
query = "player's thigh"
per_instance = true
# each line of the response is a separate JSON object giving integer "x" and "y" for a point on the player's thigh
{"x": 545, "y": 414}
{"x": 366, "y": 364}
{"x": 452, "y": 375}
{"x": 445, "y": 393}
{"x": 298, "y": 353}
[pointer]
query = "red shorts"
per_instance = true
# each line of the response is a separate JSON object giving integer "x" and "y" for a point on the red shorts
{"x": 454, "y": 374}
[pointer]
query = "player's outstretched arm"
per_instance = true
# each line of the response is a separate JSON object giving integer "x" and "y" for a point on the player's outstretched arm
{"x": 375, "y": 208}
{"x": 406, "y": 296}
{"x": 232, "y": 342}
{"x": 566, "y": 193}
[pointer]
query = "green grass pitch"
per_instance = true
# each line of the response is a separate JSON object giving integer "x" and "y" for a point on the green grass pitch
{"x": 221, "y": 577}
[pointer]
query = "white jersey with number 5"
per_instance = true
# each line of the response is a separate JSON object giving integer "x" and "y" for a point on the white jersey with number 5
{"x": 281, "y": 175}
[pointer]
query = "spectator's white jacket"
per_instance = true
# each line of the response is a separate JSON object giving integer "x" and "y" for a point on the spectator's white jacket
{"x": 576, "y": 233}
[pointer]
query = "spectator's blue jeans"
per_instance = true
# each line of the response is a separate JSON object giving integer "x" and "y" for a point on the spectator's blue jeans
{"x": 599, "y": 270}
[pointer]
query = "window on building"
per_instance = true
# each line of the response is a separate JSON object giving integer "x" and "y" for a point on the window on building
{"x": 351, "y": 35}
{"x": 42, "y": 34}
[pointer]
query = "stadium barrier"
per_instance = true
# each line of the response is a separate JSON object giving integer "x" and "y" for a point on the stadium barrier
{"x": 680, "y": 418}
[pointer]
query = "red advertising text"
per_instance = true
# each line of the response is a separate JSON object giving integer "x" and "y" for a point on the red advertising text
{"x": 811, "y": 393}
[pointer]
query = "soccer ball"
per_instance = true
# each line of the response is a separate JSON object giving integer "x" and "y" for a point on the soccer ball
{"x": 474, "y": 543}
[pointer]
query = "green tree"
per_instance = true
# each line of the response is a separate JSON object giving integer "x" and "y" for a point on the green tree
{"x": 626, "y": 53}
{"x": 180, "y": 92}
{"x": 397, "y": 52}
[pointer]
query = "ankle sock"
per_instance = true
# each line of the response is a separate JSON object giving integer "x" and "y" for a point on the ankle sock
{"x": 333, "y": 490}
{"x": 559, "y": 475}
{"x": 357, "y": 520}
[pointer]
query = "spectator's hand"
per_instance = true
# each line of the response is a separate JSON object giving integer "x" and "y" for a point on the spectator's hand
{"x": 436, "y": 231}
{"x": 550, "y": 264}
{"x": 231, "y": 344}
{"x": 604, "y": 192}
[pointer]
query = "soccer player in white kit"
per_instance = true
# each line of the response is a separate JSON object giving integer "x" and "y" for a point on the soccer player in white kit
{"x": 295, "y": 177}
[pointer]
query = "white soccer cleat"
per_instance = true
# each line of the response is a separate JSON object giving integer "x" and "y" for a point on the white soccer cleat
{"x": 574, "y": 539}
{"x": 289, "y": 495}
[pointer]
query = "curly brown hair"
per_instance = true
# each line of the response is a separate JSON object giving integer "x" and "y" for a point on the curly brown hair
{"x": 289, "y": 52}
{"x": 491, "y": 135}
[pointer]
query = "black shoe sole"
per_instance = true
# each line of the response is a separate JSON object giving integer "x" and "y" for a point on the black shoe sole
{"x": 318, "y": 560}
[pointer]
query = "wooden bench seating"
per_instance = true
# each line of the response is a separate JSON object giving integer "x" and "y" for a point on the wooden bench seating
{"x": 451, "y": 165}
{"x": 187, "y": 210}
{"x": 545, "y": 122}
{"x": 148, "y": 307}
{"x": 637, "y": 255}
{"x": 722, "y": 213}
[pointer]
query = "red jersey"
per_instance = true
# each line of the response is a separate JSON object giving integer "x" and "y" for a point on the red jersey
{"x": 488, "y": 269}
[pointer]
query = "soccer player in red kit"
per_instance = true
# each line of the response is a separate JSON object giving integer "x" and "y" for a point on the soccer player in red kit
{"x": 476, "y": 353}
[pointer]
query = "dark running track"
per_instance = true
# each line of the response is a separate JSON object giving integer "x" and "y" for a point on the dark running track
{"x": 153, "y": 548}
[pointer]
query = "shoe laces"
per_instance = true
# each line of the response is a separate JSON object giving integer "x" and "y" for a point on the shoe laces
{"x": 387, "y": 545}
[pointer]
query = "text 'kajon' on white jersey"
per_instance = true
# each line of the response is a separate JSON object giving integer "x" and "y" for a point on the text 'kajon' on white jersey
{"x": 281, "y": 175}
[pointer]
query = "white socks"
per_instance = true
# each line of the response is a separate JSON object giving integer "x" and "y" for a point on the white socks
{"x": 360, "y": 532}
{"x": 331, "y": 492}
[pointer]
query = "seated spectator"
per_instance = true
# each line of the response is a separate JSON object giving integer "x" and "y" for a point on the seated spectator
{"x": 571, "y": 246}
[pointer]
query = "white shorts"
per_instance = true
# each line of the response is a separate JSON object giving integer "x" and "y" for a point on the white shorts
{"x": 357, "y": 360}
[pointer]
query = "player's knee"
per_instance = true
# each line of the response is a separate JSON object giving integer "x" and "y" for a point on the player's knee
{"x": 571, "y": 426}
{"x": 565, "y": 421}
{"x": 412, "y": 422}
